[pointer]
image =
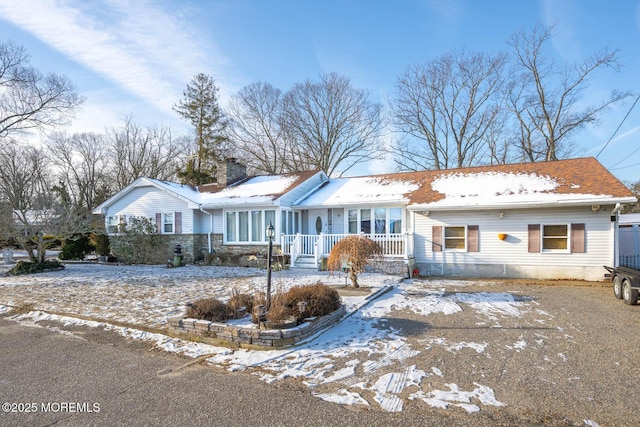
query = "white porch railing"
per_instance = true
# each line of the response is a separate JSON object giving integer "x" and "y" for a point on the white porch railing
{"x": 393, "y": 245}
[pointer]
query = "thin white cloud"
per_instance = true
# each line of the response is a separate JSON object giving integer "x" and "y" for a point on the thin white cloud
{"x": 142, "y": 47}
{"x": 562, "y": 15}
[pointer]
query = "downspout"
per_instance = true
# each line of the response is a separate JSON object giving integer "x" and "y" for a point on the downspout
{"x": 210, "y": 227}
{"x": 614, "y": 213}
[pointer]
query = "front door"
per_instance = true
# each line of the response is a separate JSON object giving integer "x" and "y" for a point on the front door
{"x": 317, "y": 221}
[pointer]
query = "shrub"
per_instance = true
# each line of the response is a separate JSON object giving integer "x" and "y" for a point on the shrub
{"x": 211, "y": 309}
{"x": 137, "y": 241}
{"x": 259, "y": 299}
{"x": 278, "y": 312}
{"x": 76, "y": 248}
{"x": 26, "y": 267}
{"x": 321, "y": 300}
{"x": 101, "y": 242}
{"x": 239, "y": 300}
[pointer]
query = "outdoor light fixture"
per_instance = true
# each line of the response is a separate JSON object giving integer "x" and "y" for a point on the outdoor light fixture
{"x": 595, "y": 208}
{"x": 501, "y": 214}
{"x": 271, "y": 233}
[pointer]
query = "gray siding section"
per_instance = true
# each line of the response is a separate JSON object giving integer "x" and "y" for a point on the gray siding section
{"x": 203, "y": 221}
{"x": 294, "y": 195}
{"x": 337, "y": 221}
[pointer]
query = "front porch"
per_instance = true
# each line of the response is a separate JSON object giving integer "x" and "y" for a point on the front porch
{"x": 308, "y": 250}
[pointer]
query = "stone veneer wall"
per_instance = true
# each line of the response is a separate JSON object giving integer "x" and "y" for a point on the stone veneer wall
{"x": 193, "y": 247}
{"x": 253, "y": 338}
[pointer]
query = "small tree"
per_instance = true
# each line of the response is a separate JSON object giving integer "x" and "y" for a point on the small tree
{"x": 353, "y": 252}
{"x": 136, "y": 240}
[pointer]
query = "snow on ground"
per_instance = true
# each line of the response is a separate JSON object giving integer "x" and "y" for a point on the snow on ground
{"x": 359, "y": 361}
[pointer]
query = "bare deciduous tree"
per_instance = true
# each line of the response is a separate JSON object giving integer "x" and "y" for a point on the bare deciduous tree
{"x": 546, "y": 98}
{"x": 256, "y": 128}
{"x": 39, "y": 218}
{"x": 29, "y": 99}
{"x": 331, "y": 125}
{"x": 82, "y": 164}
{"x": 136, "y": 152}
{"x": 449, "y": 108}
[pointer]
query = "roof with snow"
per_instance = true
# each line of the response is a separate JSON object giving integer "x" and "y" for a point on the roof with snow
{"x": 257, "y": 190}
{"x": 563, "y": 182}
{"x": 575, "y": 181}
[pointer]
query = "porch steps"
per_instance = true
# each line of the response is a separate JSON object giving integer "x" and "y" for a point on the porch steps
{"x": 306, "y": 262}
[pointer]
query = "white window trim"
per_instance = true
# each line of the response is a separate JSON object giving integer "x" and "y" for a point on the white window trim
{"x": 263, "y": 234}
{"x": 465, "y": 238}
{"x": 108, "y": 224}
{"x": 173, "y": 223}
{"x": 555, "y": 251}
{"x": 372, "y": 209}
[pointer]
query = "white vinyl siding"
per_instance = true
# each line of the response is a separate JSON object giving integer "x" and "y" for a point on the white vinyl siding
{"x": 513, "y": 250}
{"x": 148, "y": 201}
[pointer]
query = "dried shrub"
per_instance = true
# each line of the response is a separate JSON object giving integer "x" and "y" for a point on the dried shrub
{"x": 278, "y": 312}
{"x": 320, "y": 298}
{"x": 260, "y": 298}
{"x": 355, "y": 253}
{"x": 211, "y": 309}
{"x": 238, "y": 301}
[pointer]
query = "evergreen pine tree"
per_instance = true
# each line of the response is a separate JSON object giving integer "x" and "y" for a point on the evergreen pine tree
{"x": 200, "y": 107}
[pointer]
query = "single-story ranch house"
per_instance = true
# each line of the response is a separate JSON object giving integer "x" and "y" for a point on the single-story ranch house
{"x": 553, "y": 220}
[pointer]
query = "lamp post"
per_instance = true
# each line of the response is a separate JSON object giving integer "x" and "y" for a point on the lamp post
{"x": 271, "y": 232}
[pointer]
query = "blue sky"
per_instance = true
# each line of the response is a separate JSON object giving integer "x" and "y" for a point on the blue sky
{"x": 135, "y": 57}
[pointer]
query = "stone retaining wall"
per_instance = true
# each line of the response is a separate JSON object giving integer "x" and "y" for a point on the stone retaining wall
{"x": 259, "y": 339}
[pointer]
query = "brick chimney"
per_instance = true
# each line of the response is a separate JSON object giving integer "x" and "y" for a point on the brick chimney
{"x": 230, "y": 171}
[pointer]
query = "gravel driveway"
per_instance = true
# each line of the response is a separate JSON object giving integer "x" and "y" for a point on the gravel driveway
{"x": 574, "y": 361}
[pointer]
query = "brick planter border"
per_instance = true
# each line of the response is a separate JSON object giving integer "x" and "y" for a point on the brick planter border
{"x": 251, "y": 338}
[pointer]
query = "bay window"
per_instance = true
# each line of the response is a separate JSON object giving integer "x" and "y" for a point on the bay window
{"x": 247, "y": 226}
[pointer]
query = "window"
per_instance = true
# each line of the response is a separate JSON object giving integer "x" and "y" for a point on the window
{"x": 365, "y": 221}
{"x": 455, "y": 238}
{"x": 269, "y": 218}
{"x": 381, "y": 220}
{"x": 353, "y": 221}
{"x": 112, "y": 224}
{"x": 374, "y": 221}
{"x": 248, "y": 226}
{"x": 555, "y": 237}
{"x": 167, "y": 223}
{"x": 395, "y": 220}
{"x": 256, "y": 226}
{"x": 243, "y": 226}
{"x": 231, "y": 226}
